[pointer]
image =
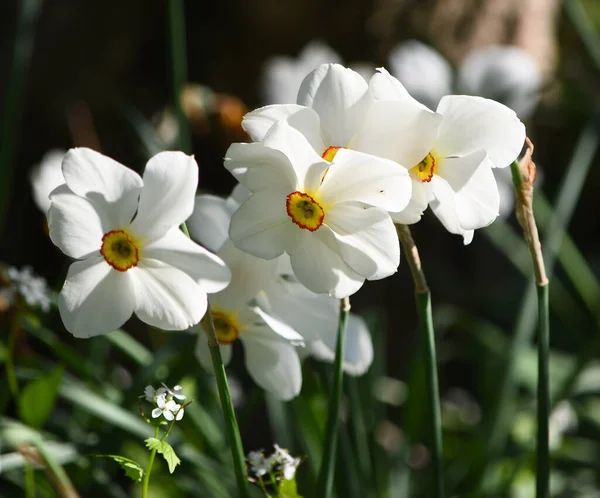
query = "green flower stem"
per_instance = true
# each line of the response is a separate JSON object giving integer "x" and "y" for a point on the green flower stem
{"x": 523, "y": 176}
{"x": 29, "y": 480}
{"x": 332, "y": 427}
{"x": 233, "y": 431}
{"x": 177, "y": 39}
{"x": 149, "y": 468}
{"x": 423, "y": 302}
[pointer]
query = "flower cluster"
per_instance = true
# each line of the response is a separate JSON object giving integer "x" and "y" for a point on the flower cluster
{"x": 280, "y": 463}
{"x": 164, "y": 399}
{"x": 33, "y": 288}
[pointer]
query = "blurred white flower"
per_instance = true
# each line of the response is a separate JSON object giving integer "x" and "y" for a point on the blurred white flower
{"x": 125, "y": 232}
{"x": 259, "y": 465}
{"x": 328, "y": 214}
{"x": 281, "y": 75}
{"x": 562, "y": 420}
{"x": 46, "y": 176}
{"x": 287, "y": 462}
{"x": 503, "y": 73}
{"x": 313, "y": 316}
{"x": 423, "y": 71}
{"x": 33, "y": 288}
{"x": 176, "y": 392}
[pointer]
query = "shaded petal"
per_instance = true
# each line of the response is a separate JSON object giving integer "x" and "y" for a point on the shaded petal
{"x": 423, "y": 71}
{"x": 257, "y": 123}
{"x": 238, "y": 196}
{"x": 95, "y": 299}
{"x": 339, "y": 96}
{"x": 258, "y": 167}
{"x": 354, "y": 176}
{"x": 358, "y": 350}
{"x": 318, "y": 264}
{"x": 421, "y": 196}
{"x": 76, "y": 226}
{"x": 403, "y": 131}
{"x": 165, "y": 297}
{"x": 444, "y": 207}
{"x": 309, "y": 314}
{"x": 209, "y": 223}
{"x": 274, "y": 366}
{"x": 46, "y": 176}
{"x": 112, "y": 187}
{"x": 367, "y": 239}
{"x": 475, "y": 123}
{"x": 167, "y": 200}
{"x": 260, "y": 226}
{"x": 507, "y": 74}
{"x": 175, "y": 249}
{"x": 203, "y": 355}
{"x": 282, "y": 330}
{"x": 249, "y": 275}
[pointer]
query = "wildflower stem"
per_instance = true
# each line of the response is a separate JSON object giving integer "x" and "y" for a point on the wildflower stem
{"x": 177, "y": 39}
{"x": 423, "y": 302}
{"x": 233, "y": 431}
{"x": 332, "y": 427}
{"x": 146, "y": 481}
{"x": 523, "y": 176}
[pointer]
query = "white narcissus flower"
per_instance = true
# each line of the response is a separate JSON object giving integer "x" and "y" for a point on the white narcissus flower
{"x": 313, "y": 316}
{"x": 46, "y": 176}
{"x": 330, "y": 217}
{"x": 125, "y": 233}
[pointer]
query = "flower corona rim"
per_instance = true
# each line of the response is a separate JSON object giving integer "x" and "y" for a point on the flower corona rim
{"x": 120, "y": 250}
{"x": 304, "y": 211}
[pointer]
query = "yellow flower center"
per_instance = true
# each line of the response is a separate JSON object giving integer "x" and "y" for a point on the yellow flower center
{"x": 426, "y": 168}
{"x": 304, "y": 211}
{"x": 330, "y": 152}
{"x": 226, "y": 326}
{"x": 120, "y": 250}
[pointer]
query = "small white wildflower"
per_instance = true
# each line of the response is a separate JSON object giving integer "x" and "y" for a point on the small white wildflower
{"x": 259, "y": 465}
{"x": 288, "y": 463}
{"x": 176, "y": 392}
{"x": 32, "y": 287}
{"x": 152, "y": 394}
{"x": 165, "y": 408}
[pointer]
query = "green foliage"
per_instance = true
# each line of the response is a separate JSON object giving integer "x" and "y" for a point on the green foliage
{"x": 287, "y": 489}
{"x": 38, "y": 398}
{"x": 166, "y": 450}
{"x": 132, "y": 469}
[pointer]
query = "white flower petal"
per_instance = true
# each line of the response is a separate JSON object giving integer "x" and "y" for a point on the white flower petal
{"x": 281, "y": 329}
{"x": 274, "y": 366}
{"x": 238, "y": 196}
{"x": 444, "y": 207}
{"x": 367, "y": 239}
{"x": 258, "y": 167}
{"x": 249, "y": 275}
{"x": 166, "y": 297}
{"x": 339, "y": 96}
{"x": 421, "y": 196}
{"x": 401, "y": 130}
{"x": 358, "y": 350}
{"x": 310, "y": 314}
{"x": 318, "y": 264}
{"x": 46, "y": 176}
{"x": 257, "y": 123}
{"x": 175, "y": 249}
{"x": 477, "y": 198}
{"x": 168, "y": 415}
{"x": 423, "y": 71}
{"x": 354, "y": 176}
{"x": 261, "y": 225}
{"x": 95, "y": 299}
{"x": 506, "y": 190}
{"x": 507, "y": 74}
{"x": 475, "y": 123}
{"x": 157, "y": 412}
{"x": 167, "y": 200}
{"x": 76, "y": 225}
{"x": 209, "y": 223}
{"x": 112, "y": 187}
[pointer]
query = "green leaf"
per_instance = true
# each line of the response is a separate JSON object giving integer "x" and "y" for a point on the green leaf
{"x": 166, "y": 450}
{"x": 38, "y": 398}
{"x": 132, "y": 469}
{"x": 287, "y": 489}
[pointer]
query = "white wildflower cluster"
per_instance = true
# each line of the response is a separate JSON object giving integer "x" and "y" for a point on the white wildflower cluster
{"x": 25, "y": 283}
{"x": 164, "y": 399}
{"x": 280, "y": 463}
